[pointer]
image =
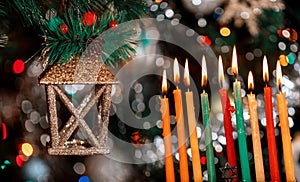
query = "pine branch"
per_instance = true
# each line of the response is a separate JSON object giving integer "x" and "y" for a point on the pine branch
{"x": 62, "y": 46}
{"x": 132, "y": 8}
{"x": 119, "y": 46}
{"x": 31, "y": 11}
{"x": 86, "y": 5}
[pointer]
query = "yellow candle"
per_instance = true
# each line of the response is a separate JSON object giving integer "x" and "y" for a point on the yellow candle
{"x": 285, "y": 129}
{"x": 252, "y": 105}
{"x": 183, "y": 160}
{"x": 192, "y": 127}
{"x": 164, "y": 109}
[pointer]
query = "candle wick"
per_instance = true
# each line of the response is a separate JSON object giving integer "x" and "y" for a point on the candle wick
{"x": 266, "y": 84}
{"x": 235, "y": 76}
{"x": 279, "y": 89}
{"x": 188, "y": 89}
{"x": 221, "y": 85}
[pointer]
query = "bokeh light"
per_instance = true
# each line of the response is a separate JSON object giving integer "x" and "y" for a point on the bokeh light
{"x": 4, "y": 131}
{"x": 18, "y": 66}
{"x": 225, "y": 31}
{"x": 84, "y": 179}
{"x": 283, "y": 60}
{"x": 203, "y": 160}
{"x": 20, "y": 159}
{"x": 27, "y": 149}
{"x": 36, "y": 169}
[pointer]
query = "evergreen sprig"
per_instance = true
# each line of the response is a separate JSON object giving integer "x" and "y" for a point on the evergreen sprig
{"x": 62, "y": 46}
{"x": 118, "y": 46}
{"x": 31, "y": 11}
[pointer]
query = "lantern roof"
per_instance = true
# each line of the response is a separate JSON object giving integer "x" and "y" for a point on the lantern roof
{"x": 78, "y": 71}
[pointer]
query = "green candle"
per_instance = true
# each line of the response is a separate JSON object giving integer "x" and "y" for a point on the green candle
{"x": 243, "y": 151}
{"x": 208, "y": 138}
{"x": 207, "y": 127}
{"x": 241, "y": 132}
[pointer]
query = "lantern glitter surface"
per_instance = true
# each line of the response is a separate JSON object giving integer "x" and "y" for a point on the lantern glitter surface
{"x": 64, "y": 138}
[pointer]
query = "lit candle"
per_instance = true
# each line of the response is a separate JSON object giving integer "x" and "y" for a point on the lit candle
{"x": 252, "y": 106}
{"x": 183, "y": 160}
{"x": 243, "y": 151}
{"x": 207, "y": 127}
{"x": 192, "y": 127}
{"x": 273, "y": 160}
{"x": 285, "y": 129}
{"x": 227, "y": 108}
{"x": 164, "y": 109}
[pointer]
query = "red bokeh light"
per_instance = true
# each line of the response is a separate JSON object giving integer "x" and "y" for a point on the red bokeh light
{"x": 4, "y": 131}
{"x": 204, "y": 41}
{"x": 203, "y": 160}
{"x": 20, "y": 160}
{"x": 18, "y": 66}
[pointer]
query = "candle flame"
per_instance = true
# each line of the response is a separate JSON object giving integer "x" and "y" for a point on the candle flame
{"x": 221, "y": 72}
{"x": 234, "y": 65}
{"x": 204, "y": 72}
{"x": 278, "y": 75}
{"x": 176, "y": 71}
{"x": 250, "y": 81}
{"x": 265, "y": 70}
{"x": 164, "y": 82}
{"x": 186, "y": 73}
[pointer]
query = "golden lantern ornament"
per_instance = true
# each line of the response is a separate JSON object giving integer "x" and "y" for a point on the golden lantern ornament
{"x": 64, "y": 138}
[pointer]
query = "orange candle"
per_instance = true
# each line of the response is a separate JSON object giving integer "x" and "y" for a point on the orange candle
{"x": 183, "y": 160}
{"x": 285, "y": 129}
{"x": 272, "y": 149}
{"x": 164, "y": 109}
{"x": 252, "y": 105}
{"x": 192, "y": 127}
